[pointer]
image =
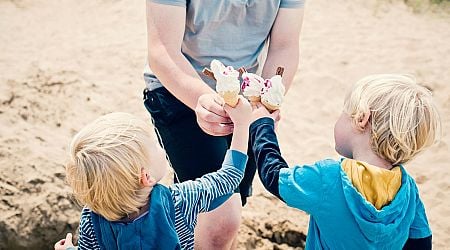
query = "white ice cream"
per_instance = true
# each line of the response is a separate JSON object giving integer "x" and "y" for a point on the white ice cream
{"x": 273, "y": 91}
{"x": 227, "y": 77}
{"x": 252, "y": 84}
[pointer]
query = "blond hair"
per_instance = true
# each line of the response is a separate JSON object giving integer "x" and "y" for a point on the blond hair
{"x": 106, "y": 158}
{"x": 403, "y": 117}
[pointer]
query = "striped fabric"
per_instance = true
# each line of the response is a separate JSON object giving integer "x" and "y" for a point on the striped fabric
{"x": 190, "y": 198}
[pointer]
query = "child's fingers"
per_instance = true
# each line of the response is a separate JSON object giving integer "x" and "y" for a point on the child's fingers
{"x": 276, "y": 115}
{"x": 243, "y": 100}
{"x": 261, "y": 108}
{"x": 227, "y": 107}
{"x": 59, "y": 243}
{"x": 256, "y": 105}
{"x": 68, "y": 240}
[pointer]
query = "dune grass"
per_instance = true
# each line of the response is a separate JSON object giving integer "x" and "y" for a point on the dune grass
{"x": 429, "y": 5}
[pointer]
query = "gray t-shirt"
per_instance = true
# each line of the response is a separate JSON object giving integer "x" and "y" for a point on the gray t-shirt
{"x": 232, "y": 31}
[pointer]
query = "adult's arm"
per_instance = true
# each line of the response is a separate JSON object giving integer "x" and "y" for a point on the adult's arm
{"x": 165, "y": 29}
{"x": 284, "y": 44}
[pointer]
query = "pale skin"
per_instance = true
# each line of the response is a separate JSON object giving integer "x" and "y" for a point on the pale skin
{"x": 352, "y": 140}
{"x": 165, "y": 29}
{"x": 64, "y": 243}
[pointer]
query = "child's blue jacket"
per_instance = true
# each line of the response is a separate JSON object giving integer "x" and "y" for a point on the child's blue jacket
{"x": 340, "y": 217}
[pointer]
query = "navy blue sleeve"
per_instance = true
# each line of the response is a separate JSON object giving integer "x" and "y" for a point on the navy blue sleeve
{"x": 267, "y": 153}
{"x": 418, "y": 244}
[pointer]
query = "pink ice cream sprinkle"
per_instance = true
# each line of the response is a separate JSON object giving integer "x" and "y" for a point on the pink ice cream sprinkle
{"x": 268, "y": 83}
{"x": 245, "y": 82}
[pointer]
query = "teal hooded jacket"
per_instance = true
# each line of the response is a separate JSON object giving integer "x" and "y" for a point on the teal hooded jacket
{"x": 340, "y": 217}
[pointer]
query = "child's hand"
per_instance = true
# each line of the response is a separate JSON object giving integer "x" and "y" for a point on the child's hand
{"x": 65, "y": 243}
{"x": 259, "y": 111}
{"x": 241, "y": 114}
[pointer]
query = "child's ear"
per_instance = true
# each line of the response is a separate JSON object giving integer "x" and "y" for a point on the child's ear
{"x": 363, "y": 121}
{"x": 146, "y": 179}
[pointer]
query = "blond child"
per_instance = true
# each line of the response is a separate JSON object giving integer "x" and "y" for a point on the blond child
{"x": 115, "y": 165}
{"x": 366, "y": 200}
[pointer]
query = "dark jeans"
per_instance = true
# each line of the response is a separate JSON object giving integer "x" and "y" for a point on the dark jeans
{"x": 191, "y": 151}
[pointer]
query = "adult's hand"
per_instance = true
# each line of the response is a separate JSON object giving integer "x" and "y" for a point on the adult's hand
{"x": 211, "y": 117}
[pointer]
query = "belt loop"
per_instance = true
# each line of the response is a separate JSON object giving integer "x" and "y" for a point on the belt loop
{"x": 145, "y": 93}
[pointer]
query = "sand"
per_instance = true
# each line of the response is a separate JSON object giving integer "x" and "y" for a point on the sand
{"x": 64, "y": 63}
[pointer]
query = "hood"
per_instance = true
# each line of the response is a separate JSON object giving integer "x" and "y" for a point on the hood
{"x": 377, "y": 224}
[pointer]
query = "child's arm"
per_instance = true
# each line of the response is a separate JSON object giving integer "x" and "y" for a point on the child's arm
{"x": 265, "y": 147}
{"x": 213, "y": 189}
{"x": 418, "y": 244}
{"x": 267, "y": 153}
{"x": 300, "y": 186}
{"x": 241, "y": 117}
{"x": 87, "y": 238}
{"x": 419, "y": 232}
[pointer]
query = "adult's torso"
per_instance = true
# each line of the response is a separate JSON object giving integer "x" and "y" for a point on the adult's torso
{"x": 232, "y": 31}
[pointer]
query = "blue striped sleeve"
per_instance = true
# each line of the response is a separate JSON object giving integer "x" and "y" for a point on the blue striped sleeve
{"x": 87, "y": 239}
{"x": 181, "y": 3}
{"x": 292, "y": 4}
{"x": 200, "y": 195}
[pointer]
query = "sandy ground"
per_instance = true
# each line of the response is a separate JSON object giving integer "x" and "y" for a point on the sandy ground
{"x": 64, "y": 63}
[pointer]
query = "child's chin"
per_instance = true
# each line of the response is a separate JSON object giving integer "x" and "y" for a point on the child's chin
{"x": 343, "y": 153}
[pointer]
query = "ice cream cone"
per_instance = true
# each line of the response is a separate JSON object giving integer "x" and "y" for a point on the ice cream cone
{"x": 230, "y": 97}
{"x": 252, "y": 86}
{"x": 254, "y": 99}
{"x": 227, "y": 82}
{"x": 270, "y": 107}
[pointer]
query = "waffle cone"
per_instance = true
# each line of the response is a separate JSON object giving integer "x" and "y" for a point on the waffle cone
{"x": 230, "y": 97}
{"x": 269, "y": 106}
{"x": 254, "y": 99}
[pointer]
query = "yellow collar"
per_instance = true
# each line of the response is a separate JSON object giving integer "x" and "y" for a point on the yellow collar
{"x": 377, "y": 185}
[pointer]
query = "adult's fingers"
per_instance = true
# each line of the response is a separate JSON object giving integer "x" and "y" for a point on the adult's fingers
{"x": 214, "y": 104}
{"x": 208, "y": 116}
{"x": 219, "y": 100}
{"x": 215, "y": 129}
